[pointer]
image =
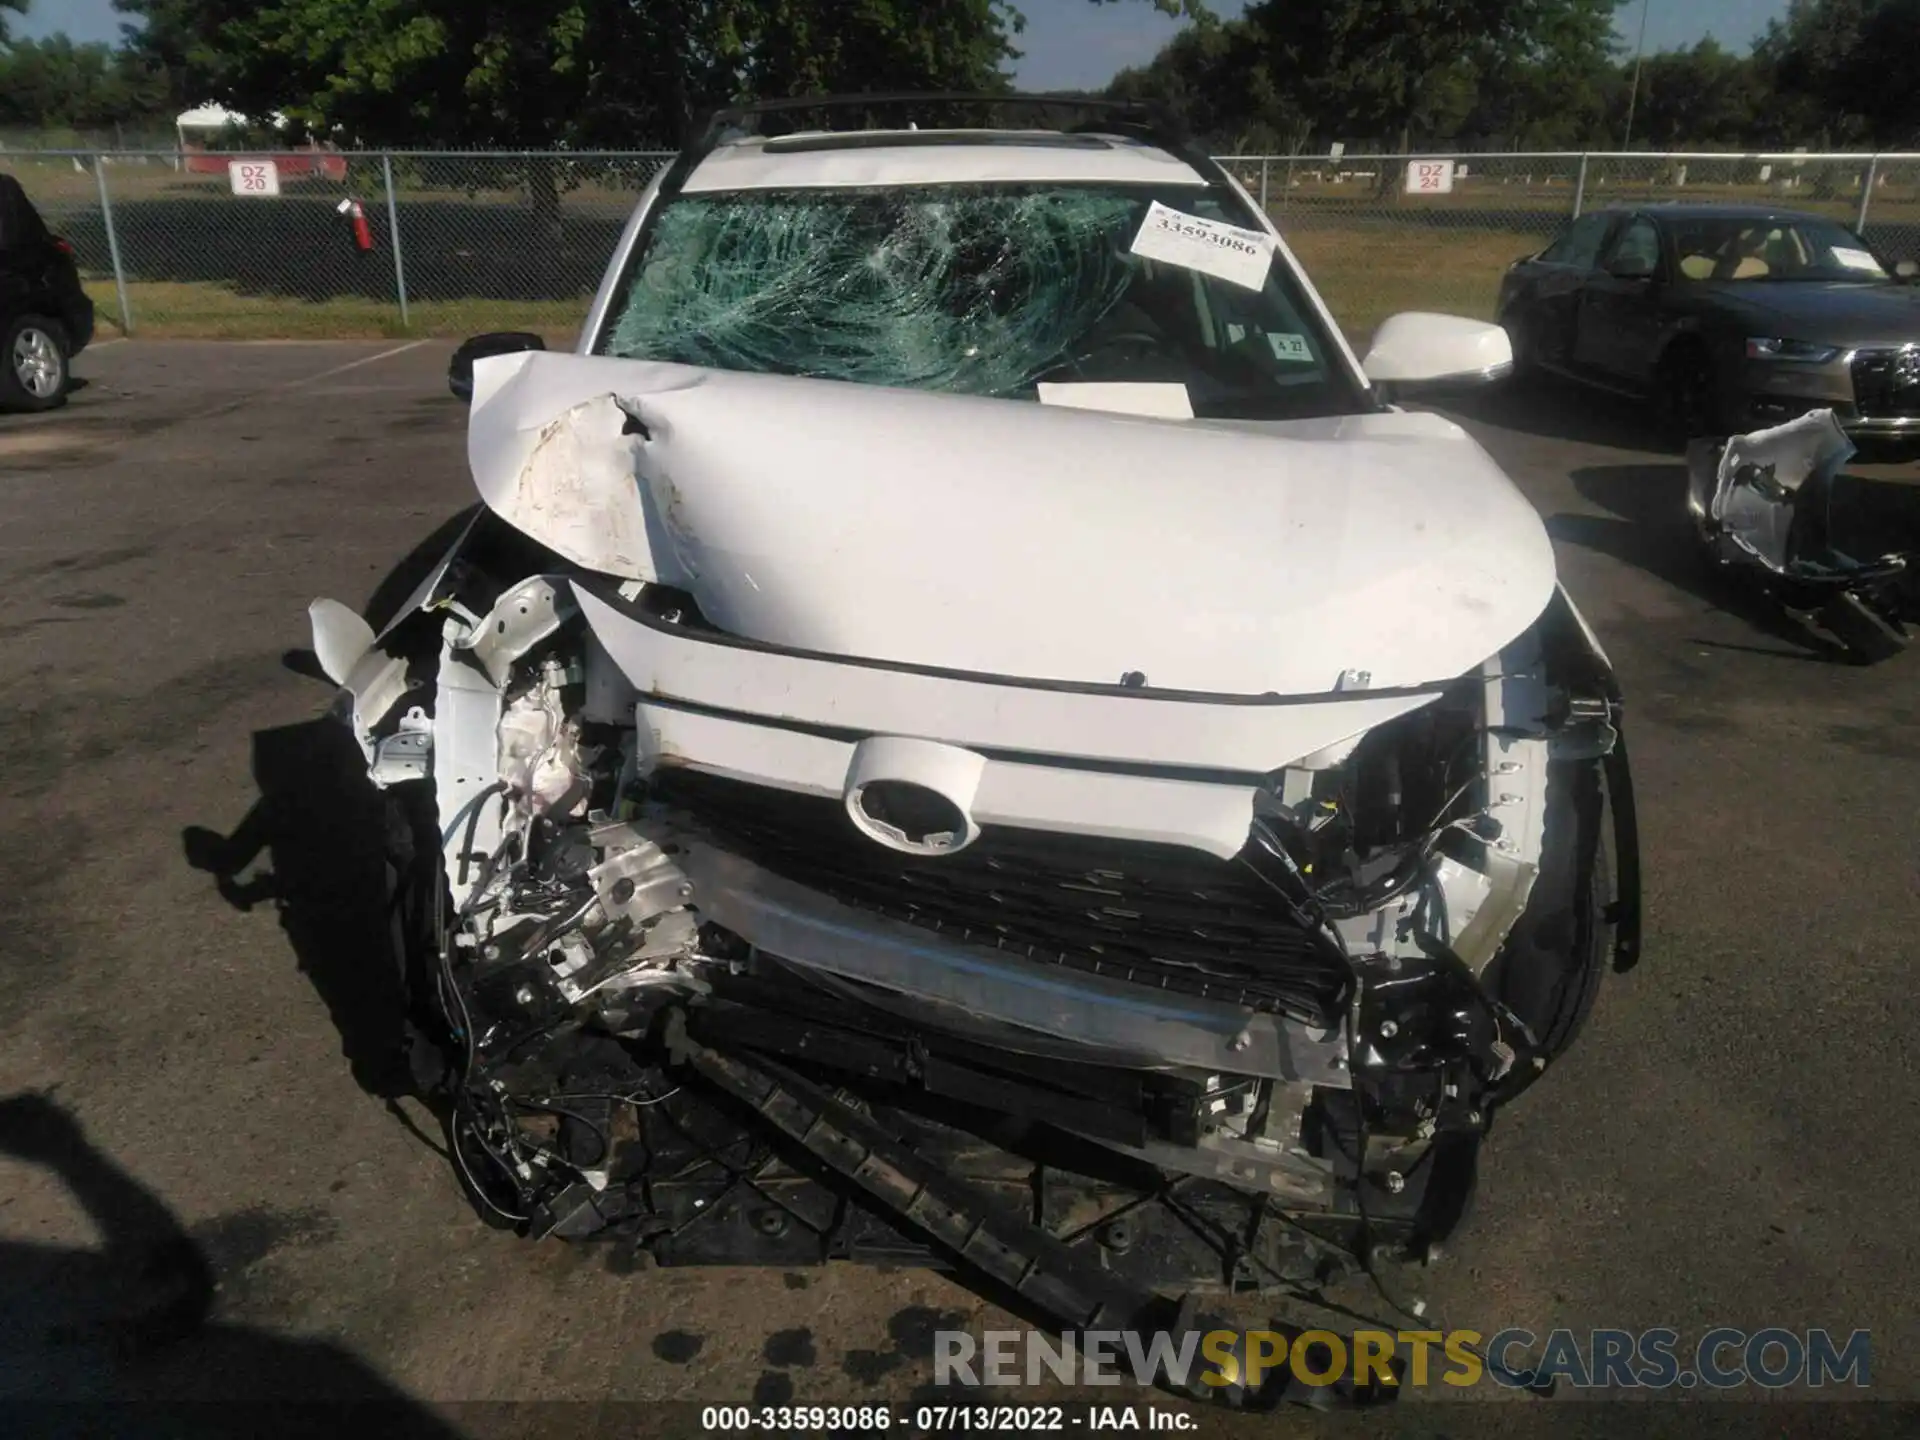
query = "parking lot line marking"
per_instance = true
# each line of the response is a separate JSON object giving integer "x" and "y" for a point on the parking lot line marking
{"x": 351, "y": 365}
{"x": 227, "y": 407}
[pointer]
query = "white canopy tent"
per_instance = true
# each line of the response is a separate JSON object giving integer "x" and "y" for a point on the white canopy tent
{"x": 212, "y": 117}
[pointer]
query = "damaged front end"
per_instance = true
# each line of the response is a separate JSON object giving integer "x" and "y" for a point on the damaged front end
{"x": 734, "y": 937}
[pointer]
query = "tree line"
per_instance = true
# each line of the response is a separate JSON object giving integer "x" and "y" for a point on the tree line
{"x": 54, "y": 84}
{"x": 1296, "y": 75}
{"x": 1287, "y": 76}
{"x": 517, "y": 74}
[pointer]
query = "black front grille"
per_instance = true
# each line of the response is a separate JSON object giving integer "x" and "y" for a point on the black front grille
{"x": 1156, "y": 915}
{"x": 1886, "y": 384}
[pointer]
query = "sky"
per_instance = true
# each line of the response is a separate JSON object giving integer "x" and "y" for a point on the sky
{"x": 1075, "y": 44}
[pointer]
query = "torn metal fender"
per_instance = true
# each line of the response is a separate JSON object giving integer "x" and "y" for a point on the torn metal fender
{"x": 1595, "y": 728}
{"x": 340, "y": 638}
{"x": 428, "y": 592}
{"x": 371, "y": 681}
{"x": 555, "y": 454}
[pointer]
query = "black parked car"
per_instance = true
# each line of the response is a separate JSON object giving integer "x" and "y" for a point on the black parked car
{"x": 45, "y": 317}
{"x": 1732, "y": 317}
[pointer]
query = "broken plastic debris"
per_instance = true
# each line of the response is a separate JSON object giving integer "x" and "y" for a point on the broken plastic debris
{"x": 1760, "y": 476}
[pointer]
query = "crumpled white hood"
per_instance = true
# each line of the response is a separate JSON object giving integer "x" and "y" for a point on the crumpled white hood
{"x": 1017, "y": 539}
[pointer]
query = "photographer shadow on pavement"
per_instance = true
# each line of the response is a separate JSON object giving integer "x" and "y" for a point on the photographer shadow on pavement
{"x": 122, "y": 1339}
{"x": 319, "y": 826}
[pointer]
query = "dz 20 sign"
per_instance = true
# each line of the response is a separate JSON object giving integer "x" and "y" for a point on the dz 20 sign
{"x": 254, "y": 177}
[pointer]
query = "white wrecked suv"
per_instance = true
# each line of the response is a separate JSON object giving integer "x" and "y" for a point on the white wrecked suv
{"x": 968, "y": 732}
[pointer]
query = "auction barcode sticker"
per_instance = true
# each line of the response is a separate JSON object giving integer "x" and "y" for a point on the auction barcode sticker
{"x": 1241, "y": 257}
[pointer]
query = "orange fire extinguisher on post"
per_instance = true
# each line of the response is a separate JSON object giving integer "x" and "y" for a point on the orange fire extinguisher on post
{"x": 362, "y": 234}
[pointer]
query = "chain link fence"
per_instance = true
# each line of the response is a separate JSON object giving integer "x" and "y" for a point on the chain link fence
{"x": 1375, "y": 246}
{"x": 318, "y": 244}
{"x": 443, "y": 243}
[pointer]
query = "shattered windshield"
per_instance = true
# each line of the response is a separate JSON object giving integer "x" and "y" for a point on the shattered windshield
{"x": 984, "y": 290}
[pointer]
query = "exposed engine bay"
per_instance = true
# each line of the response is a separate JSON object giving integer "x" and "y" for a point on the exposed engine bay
{"x": 719, "y": 979}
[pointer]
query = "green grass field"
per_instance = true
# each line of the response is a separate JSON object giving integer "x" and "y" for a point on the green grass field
{"x": 1365, "y": 273}
{"x": 207, "y": 310}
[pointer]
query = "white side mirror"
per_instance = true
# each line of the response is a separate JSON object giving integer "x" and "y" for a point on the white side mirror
{"x": 1420, "y": 349}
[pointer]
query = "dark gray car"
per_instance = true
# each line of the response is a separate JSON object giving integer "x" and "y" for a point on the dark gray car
{"x": 1733, "y": 317}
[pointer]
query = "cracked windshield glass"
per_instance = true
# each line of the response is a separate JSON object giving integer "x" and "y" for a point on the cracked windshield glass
{"x": 984, "y": 290}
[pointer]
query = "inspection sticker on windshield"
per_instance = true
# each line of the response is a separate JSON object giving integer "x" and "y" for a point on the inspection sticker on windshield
{"x": 1239, "y": 256}
{"x": 1855, "y": 259}
{"x": 1290, "y": 347}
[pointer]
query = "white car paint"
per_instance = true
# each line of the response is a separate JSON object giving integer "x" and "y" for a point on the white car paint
{"x": 603, "y": 297}
{"x": 950, "y": 589}
{"x": 1030, "y": 795}
{"x": 787, "y": 163}
{"x": 1118, "y": 726}
{"x": 340, "y": 638}
{"x": 1004, "y": 539}
{"x": 1417, "y": 346}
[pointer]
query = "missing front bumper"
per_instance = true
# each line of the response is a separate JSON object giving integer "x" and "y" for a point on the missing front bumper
{"x": 628, "y": 984}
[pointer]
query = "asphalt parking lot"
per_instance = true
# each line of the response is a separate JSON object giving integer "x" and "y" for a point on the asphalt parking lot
{"x": 1725, "y": 1146}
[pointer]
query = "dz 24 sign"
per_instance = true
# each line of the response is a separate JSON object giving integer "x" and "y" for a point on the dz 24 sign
{"x": 254, "y": 177}
{"x": 1430, "y": 177}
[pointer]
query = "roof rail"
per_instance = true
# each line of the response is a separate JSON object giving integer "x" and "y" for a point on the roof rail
{"x": 1134, "y": 119}
{"x": 740, "y": 115}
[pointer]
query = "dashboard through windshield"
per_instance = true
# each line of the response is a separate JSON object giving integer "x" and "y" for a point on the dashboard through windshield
{"x": 982, "y": 289}
{"x": 1773, "y": 249}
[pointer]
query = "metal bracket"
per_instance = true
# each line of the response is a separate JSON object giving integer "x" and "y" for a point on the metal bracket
{"x": 403, "y": 756}
{"x": 520, "y": 619}
{"x": 1588, "y": 732}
